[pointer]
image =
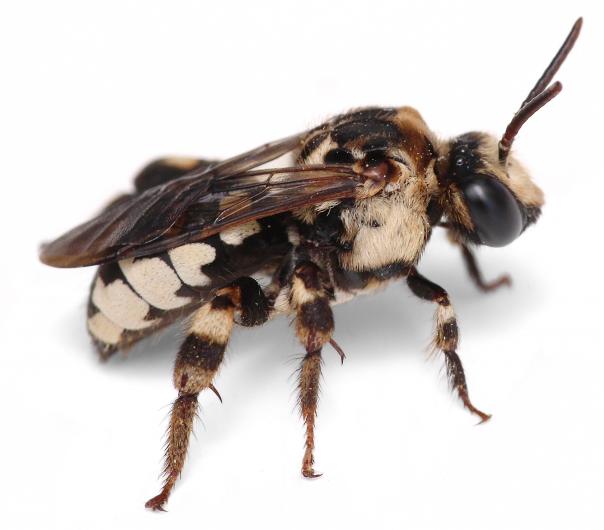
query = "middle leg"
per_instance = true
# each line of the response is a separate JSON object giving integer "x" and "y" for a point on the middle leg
{"x": 314, "y": 327}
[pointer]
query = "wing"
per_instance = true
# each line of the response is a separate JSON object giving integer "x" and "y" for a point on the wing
{"x": 151, "y": 209}
{"x": 198, "y": 205}
{"x": 163, "y": 170}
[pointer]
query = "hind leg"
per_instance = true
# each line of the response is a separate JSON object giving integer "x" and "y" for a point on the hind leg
{"x": 198, "y": 361}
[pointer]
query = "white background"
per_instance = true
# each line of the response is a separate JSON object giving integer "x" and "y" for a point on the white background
{"x": 91, "y": 90}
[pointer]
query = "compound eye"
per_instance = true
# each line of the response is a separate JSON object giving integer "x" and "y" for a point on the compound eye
{"x": 494, "y": 210}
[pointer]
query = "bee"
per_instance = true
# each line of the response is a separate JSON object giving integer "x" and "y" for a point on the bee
{"x": 230, "y": 242}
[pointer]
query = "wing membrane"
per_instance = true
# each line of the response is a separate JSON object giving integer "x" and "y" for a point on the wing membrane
{"x": 198, "y": 205}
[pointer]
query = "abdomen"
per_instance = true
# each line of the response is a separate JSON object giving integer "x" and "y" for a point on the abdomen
{"x": 132, "y": 298}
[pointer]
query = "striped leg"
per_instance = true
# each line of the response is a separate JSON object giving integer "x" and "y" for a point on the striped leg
{"x": 446, "y": 335}
{"x": 196, "y": 365}
{"x": 314, "y": 326}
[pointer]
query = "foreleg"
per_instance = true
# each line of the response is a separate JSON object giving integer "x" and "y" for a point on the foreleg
{"x": 446, "y": 335}
{"x": 476, "y": 274}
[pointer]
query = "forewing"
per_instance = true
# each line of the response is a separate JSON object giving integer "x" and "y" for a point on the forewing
{"x": 195, "y": 207}
{"x": 137, "y": 219}
{"x": 254, "y": 158}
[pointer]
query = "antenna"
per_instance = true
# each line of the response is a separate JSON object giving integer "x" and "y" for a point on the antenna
{"x": 540, "y": 94}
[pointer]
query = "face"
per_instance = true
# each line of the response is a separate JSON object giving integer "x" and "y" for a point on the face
{"x": 487, "y": 201}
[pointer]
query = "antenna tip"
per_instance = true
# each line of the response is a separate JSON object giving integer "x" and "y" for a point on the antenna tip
{"x": 577, "y": 26}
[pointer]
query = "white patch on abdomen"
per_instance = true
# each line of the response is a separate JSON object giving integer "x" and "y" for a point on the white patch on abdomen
{"x": 236, "y": 235}
{"x": 188, "y": 260}
{"x": 121, "y": 304}
{"x": 155, "y": 281}
{"x": 103, "y": 329}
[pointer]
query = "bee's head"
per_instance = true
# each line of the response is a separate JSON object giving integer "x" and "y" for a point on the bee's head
{"x": 488, "y": 197}
{"x": 488, "y": 201}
